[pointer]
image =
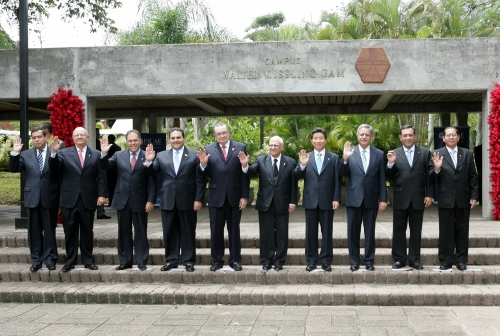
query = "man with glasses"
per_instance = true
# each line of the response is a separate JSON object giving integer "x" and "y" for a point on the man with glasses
{"x": 408, "y": 166}
{"x": 228, "y": 191}
{"x": 455, "y": 172}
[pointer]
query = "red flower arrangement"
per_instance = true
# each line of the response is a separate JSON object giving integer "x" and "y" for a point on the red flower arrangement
{"x": 67, "y": 113}
{"x": 494, "y": 122}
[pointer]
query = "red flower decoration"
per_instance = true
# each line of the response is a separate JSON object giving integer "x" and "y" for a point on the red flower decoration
{"x": 67, "y": 113}
{"x": 494, "y": 122}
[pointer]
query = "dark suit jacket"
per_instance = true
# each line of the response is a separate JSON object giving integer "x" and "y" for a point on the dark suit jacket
{"x": 411, "y": 184}
{"x": 90, "y": 180}
{"x": 226, "y": 177}
{"x": 38, "y": 188}
{"x": 284, "y": 191}
{"x": 369, "y": 187}
{"x": 134, "y": 187}
{"x": 183, "y": 189}
{"x": 320, "y": 188}
{"x": 456, "y": 185}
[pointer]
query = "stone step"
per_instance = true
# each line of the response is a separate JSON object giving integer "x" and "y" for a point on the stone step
{"x": 252, "y": 241}
{"x": 293, "y": 275}
{"x": 249, "y": 294}
{"x": 249, "y": 256}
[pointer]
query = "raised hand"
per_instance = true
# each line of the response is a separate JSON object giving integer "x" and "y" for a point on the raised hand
{"x": 348, "y": 150}
{"x": 391, "y": 156}
{"x": 437, "y": 159}
{"x": 243, "y": 159}
{"x": 105, "y": 146}
{"x": 18, "y": 145}
{"x": 150, "y": 153}
{"x": 54, "y": 147}
{"x": 303, "y": 157}
{"x": 203, "y": 157}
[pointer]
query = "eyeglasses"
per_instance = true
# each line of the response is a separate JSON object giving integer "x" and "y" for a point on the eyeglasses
{"x": 221, "y": 133}
{"x": 451, "y": 135}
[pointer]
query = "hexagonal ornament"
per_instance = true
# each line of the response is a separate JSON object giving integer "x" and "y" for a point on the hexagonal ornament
{"x": 372, "y": 65}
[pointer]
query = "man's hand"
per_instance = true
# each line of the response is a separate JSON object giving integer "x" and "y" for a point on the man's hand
{"x": 54, "y": 147}
{"x": 243, "y": 203}
{"x": 303, "y": 157}
{"x": 391, "y": 157}
{"x": 291, "y": 208}
{"x": 243, "y": 159}
{"x": 427, "y": 201}
{"x": 150, "y": 153}
{"x": 348, "y": 150}
{"x": 105, "y": 146}
{"x": 335, "y": 205}
{"x": 382, "y": 206}
{"x": 149, "y": 206}
{"x": 437, "y": 160}
{"x": 473, "y": 203}
{"x": 18, "y": 145}
{"x": 100, "y": 200}
{"x": 203, "y": 157}
{"x": 196, "y": 206}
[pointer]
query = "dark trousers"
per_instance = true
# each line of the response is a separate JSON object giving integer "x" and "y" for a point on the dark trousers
{"x": 179, "y": 234}
{"x": 78, "y": 220}
{"x": 325, "y": 219}
{"x": 356, "y": 216}
{"x": 273, "y": 234}
{"x": 453, "y": 235}
{"x": 126, "y": 244}
{"x": 42, "y": 235}
{"x": 218, "y": 217}
{"x": 400, "y": 220}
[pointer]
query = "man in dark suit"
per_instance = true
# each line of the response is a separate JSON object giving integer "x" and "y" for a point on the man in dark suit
{"x": 182, "y": 194}
{"x": 83, "y": 188}
{"x": 227, "y": 196}
{"x": 366, "y": 194}
{"x": 47, "y": 127}
{"x": 454, "y": 169}
{"x": 321, "y": 198}
{"x": 101, "y": 213}
{"x": 41, "y": 197}
{"x": 135, "y": 194}
{"x": 111, "y": 174}
{"x": 276, "y": 199}
{"x": 408, "y": 166}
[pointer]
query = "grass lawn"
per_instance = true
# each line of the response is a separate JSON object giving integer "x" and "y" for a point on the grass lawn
{"x": 10, "y": 186}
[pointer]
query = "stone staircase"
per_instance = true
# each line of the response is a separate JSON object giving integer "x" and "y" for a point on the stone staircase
{"x": 479, "y": 285}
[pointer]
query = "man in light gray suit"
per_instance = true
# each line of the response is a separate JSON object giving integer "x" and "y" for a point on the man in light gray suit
{"x": 41, "y": 194}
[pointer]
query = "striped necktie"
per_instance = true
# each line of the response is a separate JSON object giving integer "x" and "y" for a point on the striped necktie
{"x": 40, "y": 160}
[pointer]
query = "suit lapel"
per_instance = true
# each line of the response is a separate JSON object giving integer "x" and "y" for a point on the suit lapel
{"x": 46, "y": 161}
{"x": 182, "y": 159}
{"x": 401, "y": 152}
{"x": 139, "y": 159}
{"x": 74, "y": 154}
{"x": 416, "y": 156}
{"x": 460, "y": 156}
{"x": 447, "y": 157}
{"x": 230, "y": 150}
{"x": 357, "y": 157}
{"x": 170, "y": 160}
{"x": 282, "y": 169}
{"x": 326, "y": 160}
{"x": 34, "y": 157}
{"x": 312, "y": 161}
{"x": 218, "y": 150}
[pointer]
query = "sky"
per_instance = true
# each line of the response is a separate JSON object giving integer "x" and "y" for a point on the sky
{"x": 234, "y": 15}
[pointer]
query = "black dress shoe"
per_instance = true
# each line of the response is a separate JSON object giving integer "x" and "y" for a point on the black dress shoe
{"x": 67, "y": 268}
{"x": 121, "y": 267}
{"x": 142, "y": 267}
{"x": 189, "y": 268}
{"x": 35, "y": 268}
{"x": 236, "y": 266}
{"x": 370, "y": 268}
{"x": 444, "y": 267}
{"x": 103, "y": 217}
{"x": 167, "y": 267}
{"x": 215, "y": 267}
{"x": 91, "y": 267}
{"x": 417, "y": 266}
{"x": 326, "y": 267}
{"x": 398, "y": 265}
{"x": 266, "y": 267}
{"x": 278, "y": 267}
{"x": 462, "y": 267}
{"x": 310, "y": 268}
{"x": 354, "y": 268}
{"x": 51, "y": 267}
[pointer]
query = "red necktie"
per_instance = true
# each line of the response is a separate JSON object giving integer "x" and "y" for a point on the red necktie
{"x": 81, "y": 157}
{"x": 132, "y": 162}
{"x": 224, "y": 151}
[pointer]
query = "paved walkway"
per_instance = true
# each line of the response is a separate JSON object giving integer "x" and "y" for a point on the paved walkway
{"x": 78, "y": 319}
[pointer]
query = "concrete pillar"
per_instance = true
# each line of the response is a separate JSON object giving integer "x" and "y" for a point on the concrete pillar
{"x": 90, "y": 121}
{"x": 486, "y": 204}
{"x": 154, "y": 125}
{"x": 139, "y": 123}
{"x": 445, "y": 119}
{"x": 462, "y": 118}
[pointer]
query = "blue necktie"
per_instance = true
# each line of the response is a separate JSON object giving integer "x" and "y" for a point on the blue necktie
{"x": 40, "y": 160}
{"x": 363, "y": 158}
{"x": 176, "y": 162}
{"x": 408, "y": 156}
{"x": 319, "y": 162}
{"x": 454, "y": 158}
